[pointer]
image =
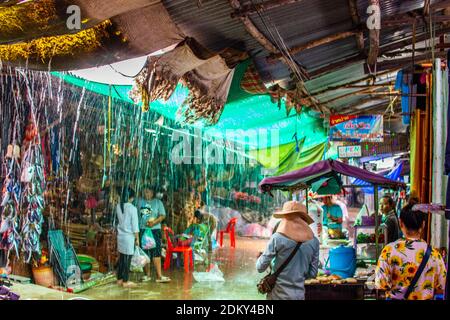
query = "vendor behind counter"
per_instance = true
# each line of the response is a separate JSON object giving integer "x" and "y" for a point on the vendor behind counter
{"x": 332, "y": 218}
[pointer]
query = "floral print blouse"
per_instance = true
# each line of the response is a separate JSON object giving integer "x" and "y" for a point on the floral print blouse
{"x": 397, "y": 266}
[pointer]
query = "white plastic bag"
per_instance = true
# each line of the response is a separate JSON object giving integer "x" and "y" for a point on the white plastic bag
{"x": 139, "y": 260}
{"x": 214, "y": 274}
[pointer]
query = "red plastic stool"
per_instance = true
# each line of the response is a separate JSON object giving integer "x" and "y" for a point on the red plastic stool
{"x": 187, "y": 252}
{"x": 230, "y": 230}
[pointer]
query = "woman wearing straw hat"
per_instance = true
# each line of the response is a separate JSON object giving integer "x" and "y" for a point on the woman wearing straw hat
{"x": 293, "y": 230}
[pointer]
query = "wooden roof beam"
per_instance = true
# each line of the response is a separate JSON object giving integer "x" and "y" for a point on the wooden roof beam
{"x": 440, "y": 5}
{"x": 356, "y": 106}
{"x": 254, "y": 8}
{"x": 405, "y": 20}
{"x": 345, "y": 85}
{"x": 377, "y": 107}
{"x": 360, "y": 57}
{"x": 374, "y": 39}
{"x": 353, "y": 6}
{"x": 269, "y": 46}
{"x": 261, "y": 38}
{"x": 366, "y": 90}
{"x": 337, "y": 65}
{"x": 316, "y": 43}
{"x": 401, "y": 63}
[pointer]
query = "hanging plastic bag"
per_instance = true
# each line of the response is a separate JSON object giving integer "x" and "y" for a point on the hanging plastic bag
{"x": 212, "y": 275}
{"x": 139, "y": 260}
{"x": 147, "y": 240}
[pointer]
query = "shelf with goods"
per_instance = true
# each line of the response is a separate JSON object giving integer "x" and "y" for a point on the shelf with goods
{"x": 377, "y": 241}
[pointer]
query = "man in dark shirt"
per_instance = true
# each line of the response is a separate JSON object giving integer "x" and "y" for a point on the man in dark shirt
{"x": 390, "y": 219}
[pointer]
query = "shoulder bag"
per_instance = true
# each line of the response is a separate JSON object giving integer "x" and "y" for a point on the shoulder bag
{"x": 418, "y": 273}
{"x": 267, "y": 283}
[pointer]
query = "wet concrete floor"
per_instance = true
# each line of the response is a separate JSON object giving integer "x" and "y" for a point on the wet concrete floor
{"x": 237, "y": 265}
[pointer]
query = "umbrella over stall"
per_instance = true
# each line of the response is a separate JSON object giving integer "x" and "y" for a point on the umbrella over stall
{"x": 308, "y": 177}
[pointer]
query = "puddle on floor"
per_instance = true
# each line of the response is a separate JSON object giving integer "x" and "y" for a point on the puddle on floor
{"x": 237, "y": 266}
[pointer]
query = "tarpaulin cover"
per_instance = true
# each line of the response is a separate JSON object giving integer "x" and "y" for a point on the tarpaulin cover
{"x": 394, "y": 174}
{"x": 286, "y": 158}
{"x": 242, "y": 111}
{"x": 302, "y": 179}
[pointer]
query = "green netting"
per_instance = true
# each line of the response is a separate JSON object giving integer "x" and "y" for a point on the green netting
{"x": 242, "y": 111}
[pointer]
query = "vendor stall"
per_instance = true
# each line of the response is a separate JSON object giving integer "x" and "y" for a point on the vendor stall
{"x": 327, "y": 175}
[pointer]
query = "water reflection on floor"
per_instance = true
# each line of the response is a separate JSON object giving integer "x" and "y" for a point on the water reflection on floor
{"x": 237, "y": 265}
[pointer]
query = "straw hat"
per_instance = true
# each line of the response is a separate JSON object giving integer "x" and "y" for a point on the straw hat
{"x": 294, "y": 208}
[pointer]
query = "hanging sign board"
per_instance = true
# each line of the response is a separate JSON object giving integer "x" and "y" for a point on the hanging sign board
{"x": 349, "y": 152}
{"x": 366, "y": 128}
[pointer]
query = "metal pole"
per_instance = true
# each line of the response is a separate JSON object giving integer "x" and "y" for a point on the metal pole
{"x": 307, "y": 205}
{"x": 375, "y": 200}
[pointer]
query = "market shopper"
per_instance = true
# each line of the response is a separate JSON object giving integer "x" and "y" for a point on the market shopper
{"x": 153, "y": 221}
{"x": 400, "y": 261}
{"x": 293, "y": 229}
{"x": 390, "y": 218}
{"x": 127, "y": 236}
{"x": 316, "y": 212}
{"x": 332, "y": 218}
{"x": 212, "y": 222}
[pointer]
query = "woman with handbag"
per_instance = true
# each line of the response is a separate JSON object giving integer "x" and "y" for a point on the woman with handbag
{"x": 293, "y": 254}
{"x": 409, "y": 268}
{"x": 127, "y": 236}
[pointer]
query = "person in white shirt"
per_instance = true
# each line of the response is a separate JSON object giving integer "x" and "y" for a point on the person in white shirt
{"x": 127, "y": 236}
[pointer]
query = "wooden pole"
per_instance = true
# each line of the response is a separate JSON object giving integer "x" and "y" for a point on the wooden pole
{"x": 394, "y": 46}
{"x": 388, "y": 84}
{"x": 255, "y": 33}
{"x": 353, "y": 6}
{"x": 409, "y": 41}
{"x": 370, "y": 109}
{"x": 263, "y": 41}
{"x": 408, "y": 21}
{"x": 375, "y": 200}
{"x": 400, "y": 63}
{"x": 254, "y": 8}
{"x": 337, "y": 65}
{"x": 362, "y": 91}
{"x": 344, "y": 85}
{"x": 374, "y": 38}
{"x": 440, "y": 5}
{"x": 361, "y": 102}
{"x": 316, "y": 43}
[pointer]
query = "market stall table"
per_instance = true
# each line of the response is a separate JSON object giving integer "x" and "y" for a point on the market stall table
{"x": 345, "y": 291}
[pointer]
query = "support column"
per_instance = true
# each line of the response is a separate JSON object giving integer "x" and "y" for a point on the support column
{"x": 439, "y": 180}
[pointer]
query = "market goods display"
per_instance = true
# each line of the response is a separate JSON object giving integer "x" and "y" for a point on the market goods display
{"x": 332, "y": 279}
{"x": 366, "y": 238}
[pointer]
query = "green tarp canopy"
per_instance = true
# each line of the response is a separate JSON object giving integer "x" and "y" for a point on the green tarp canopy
{"x": 248, "y": 112}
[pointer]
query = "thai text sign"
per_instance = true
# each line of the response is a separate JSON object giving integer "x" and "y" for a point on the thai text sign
{"x": 349, "y": 152}
{"x": 356, "y": 128}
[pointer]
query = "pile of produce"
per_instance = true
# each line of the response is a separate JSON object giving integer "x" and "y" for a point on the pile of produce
{"x": 369, "y": 238}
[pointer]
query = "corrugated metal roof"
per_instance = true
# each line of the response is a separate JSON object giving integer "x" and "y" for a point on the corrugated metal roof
{"x": 297, "y": 23}
{"x": 211, "y": 24}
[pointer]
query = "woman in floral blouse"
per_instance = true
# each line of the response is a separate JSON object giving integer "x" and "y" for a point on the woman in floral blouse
{"x": 399, "y": 261}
